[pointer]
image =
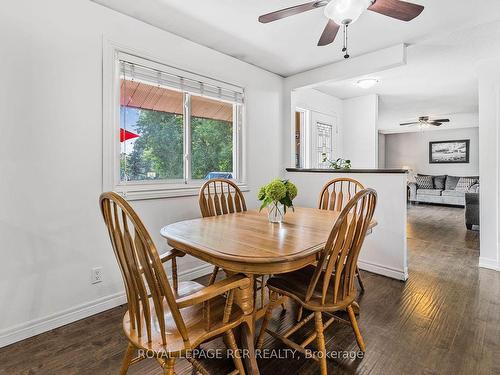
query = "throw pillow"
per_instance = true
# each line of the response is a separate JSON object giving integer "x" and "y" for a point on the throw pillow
{"x": 451, "y": 182}
{"x": 439, "y": 182}
{"x": 424, "y": 182}
{"x": 464, "y": 183}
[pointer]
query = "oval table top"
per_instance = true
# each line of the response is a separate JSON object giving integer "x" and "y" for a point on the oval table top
{"x": 247, "y": 242}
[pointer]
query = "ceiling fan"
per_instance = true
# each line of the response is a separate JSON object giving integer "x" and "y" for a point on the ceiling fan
{"x": 342, "y": 13}
{"x": 425, "y": 120}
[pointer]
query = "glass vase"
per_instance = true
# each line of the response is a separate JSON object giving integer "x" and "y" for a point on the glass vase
{"x": 275, "y": 212}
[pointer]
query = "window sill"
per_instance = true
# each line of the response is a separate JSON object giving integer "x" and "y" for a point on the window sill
{"x": 146, "y": 193}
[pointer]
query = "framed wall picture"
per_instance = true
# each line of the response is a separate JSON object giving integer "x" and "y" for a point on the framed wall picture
{"x": 443, "y": 152}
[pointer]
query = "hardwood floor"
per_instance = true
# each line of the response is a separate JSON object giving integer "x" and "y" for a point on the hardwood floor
{"x": 444, "y": 320}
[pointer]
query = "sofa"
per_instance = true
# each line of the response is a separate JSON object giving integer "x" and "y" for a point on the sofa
{"x": 443, "y": 190}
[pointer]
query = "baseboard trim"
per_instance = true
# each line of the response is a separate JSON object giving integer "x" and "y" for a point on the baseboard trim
{"x": 37, "y": 326}
{"x": 379, "y": 269}
{"x": 194, "y": 273}
{"x": 47, "y": 323}
{"x": 489, "y": 263}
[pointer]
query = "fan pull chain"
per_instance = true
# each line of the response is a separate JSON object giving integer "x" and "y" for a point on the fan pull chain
{"x": 346, "y": 56}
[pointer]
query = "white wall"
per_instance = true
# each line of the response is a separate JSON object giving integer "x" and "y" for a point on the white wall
{"x": 381, "y": 151}
{"x": 360, "y": 135}
{"x": 489, "y": 163}
{"x": 322, "y": 104}
{"x": 315, "y": 100}
{"x": 412, "y": 149}
{"x": 384, "y": 251}
{"x": 51, "y": 154}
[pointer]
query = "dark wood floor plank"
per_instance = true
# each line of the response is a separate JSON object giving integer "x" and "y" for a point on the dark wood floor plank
{"x": 444, "y": 320}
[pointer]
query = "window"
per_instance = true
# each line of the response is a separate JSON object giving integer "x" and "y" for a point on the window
{"x": 173, "y": 129}
{"x": 324, "y": 147}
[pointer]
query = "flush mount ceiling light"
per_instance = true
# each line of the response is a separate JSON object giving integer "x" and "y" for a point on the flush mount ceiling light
{"x": 342, "y": 13}
{"x": 367, "y": 83}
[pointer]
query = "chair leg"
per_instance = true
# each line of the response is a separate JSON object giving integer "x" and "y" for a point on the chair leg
{"x": 214, "y": 275}
{"x": 175, "y": 279}
{"x": 320, "y": 340}
{"x": 168, "y": 367}
{"x": 129, "y": 355}
{"x": 355, "y": 328}
{"x": 231, "y": 342}
{"x": 299, "y": 313}
{"x": 267, "y": 317}
{"x": 197, "y": 367}
{"x": 361, "y": 285}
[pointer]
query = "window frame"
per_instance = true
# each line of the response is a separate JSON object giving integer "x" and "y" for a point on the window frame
{"x": 152, "y": 189}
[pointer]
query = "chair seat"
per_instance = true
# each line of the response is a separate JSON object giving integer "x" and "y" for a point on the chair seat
{"x": 294, "y": 285}
{"x": 194, "y": 320}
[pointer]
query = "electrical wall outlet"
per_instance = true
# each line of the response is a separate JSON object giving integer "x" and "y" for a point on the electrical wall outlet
{"x": 96, "y": 276}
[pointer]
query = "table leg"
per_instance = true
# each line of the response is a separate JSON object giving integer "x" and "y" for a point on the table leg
{"x": 245, "y": 300}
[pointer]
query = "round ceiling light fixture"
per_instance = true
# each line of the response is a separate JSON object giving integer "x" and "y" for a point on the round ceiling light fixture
{"x": 367, "y": 83}
{"x": 345, "y": 12}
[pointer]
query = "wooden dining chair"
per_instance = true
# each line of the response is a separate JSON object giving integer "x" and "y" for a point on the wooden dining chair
{"x": 220, "y": 196}
{"x": 334, "y": 196}
{"x": 163, "y": 323}
{"x": 329, "y": 285}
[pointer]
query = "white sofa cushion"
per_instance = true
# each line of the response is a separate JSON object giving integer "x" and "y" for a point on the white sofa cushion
{"x": 435, "y": 192}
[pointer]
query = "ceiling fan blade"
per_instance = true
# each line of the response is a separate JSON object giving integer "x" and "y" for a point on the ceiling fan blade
{"x": 434, "y": 123}
{"x": 442, "y": 120}
{"x": 329, "y": 33}
{"x": 398, "y": 9}
{"x": 287, "y": 12}
{"x": 410, "y": 123}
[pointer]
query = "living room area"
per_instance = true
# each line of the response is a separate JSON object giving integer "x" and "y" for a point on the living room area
{"x": 429, "y": 124}
{"x": 443, "y": 197}
{"x": 443, "y": 168}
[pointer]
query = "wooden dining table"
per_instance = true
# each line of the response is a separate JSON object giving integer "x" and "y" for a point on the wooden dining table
{"x": 248, "y": 243}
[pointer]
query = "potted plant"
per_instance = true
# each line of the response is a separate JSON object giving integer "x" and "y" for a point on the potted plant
{"x": 337, "y": 164}
{"x": 277, "y": 196}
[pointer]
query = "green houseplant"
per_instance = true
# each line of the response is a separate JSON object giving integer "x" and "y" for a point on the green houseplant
{"x": 337, "y": 164}
{"x": 277, "y": 196}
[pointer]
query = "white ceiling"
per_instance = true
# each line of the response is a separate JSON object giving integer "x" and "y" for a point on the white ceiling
{"x": 289, "y": 46}
{"x": 439, "y": 77}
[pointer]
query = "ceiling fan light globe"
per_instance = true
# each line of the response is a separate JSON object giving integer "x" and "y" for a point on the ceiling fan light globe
{"x": 345, "y": 12}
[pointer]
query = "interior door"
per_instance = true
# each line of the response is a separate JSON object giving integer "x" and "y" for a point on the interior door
{"x": 323, "y": 139}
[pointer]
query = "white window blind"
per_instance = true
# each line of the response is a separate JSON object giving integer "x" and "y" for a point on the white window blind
{"x": 173, "y": 78}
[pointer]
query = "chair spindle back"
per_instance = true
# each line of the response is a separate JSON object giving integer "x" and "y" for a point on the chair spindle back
{"x": 146, "y": 283}
{"x": 336, "y": 193}
{"x": 220, "y": 196}
{"x": 340, "y": 254}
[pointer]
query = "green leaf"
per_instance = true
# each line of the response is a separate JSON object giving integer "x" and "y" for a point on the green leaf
{"x": 287, "y": 202}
